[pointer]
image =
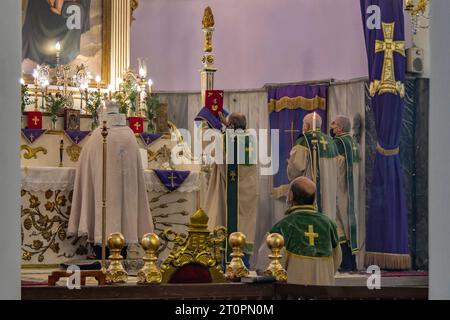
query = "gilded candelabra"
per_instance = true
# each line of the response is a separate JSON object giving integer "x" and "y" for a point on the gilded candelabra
{"x": 236, "y": 268}
{"x": 116, "y": 272}
{"x": 275, "y": 242}
{"x": 105, "y": 153}
{"x": 150, "y": 272}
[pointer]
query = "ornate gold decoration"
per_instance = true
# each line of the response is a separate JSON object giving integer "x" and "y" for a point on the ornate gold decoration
{"x": 387, "y": 152}
{"x": 162, "y": 155}
{"x": 150, "y": 272}
{"x": 74, "y": 152}
{"x": 275, "y": 242}
{"x": 388, "y": 46}
{"x": 46, "y": 227}
{"x": 236, "y": 268}
{"x": 32, "y": 152}
{"x": 415, "y": 10}
{"x": 116, "y": 272}
{"x": 200, "y": 247}
{"x": 208, "y": 18}
{"x": 134, "y": 5}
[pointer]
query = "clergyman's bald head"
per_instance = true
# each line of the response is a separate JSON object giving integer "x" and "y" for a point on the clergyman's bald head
{"x": 309, "y": 119}
{"x": 302, "y": 192}
{"x": 237, "y": 121}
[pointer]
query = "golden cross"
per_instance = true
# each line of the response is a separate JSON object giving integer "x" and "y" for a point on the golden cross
{"x": 292, "y": 131}
{"x": 311, "y": 235}
{"x": 35, "y": 120}
{"x": 324, "y": 143}
{"x": 233, "y": 175}
{"x": 171, "y": 178}
{"x": 137, "y": 125}
{"x": 388, "y": 46}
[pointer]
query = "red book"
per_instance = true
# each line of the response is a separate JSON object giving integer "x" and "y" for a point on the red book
{"x": 214, "y": 101}
{"x": 136, "y": 124}
{"x": 34, "y": 120}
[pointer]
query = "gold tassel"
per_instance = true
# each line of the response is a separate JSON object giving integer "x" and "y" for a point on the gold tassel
{"x": 388, "y": 261}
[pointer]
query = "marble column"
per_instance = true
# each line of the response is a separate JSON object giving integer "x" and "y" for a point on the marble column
{"x": 10, "y": 58}
{"x": 439, "y": 151}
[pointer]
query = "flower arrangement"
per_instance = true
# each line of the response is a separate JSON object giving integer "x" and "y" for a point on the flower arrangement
{"x": 93, "y": 103}
{"x": 128, "y": 97}
{"x": 54, "y": 104}
{"x": 151, "y": 103}
{"x": 25, "y": 97}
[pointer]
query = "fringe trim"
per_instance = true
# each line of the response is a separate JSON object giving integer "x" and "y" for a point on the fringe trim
{"x": 388, "y": 261}
{"x": 281, "y": 191}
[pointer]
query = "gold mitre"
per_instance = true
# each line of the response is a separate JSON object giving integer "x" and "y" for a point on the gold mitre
{"x": 208, "y": 18}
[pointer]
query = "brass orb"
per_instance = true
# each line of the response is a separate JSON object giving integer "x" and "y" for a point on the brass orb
{"x": 150, "y": 241}
{"x": 237, "y": 239}
{"x": 275, "y": 241}
{"x": 116, "y": 241}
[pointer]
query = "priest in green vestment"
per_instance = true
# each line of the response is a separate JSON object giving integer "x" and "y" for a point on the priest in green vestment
{"x": 301, "y": 158}
{"x": 231, "y": 196}
{"x": 347, "y": 191}
{"x": 312, "y": 253}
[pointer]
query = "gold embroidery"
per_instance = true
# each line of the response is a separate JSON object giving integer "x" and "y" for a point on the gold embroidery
{"x": 297, "y": 103}
{"x": 388, "y": 46}
{"x": 74, "y": 152}
{"x": 311, "y": 235}
{"x": 387, "y": 152}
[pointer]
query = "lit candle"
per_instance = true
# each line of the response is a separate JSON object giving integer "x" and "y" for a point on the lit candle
{"x": 58, "y": 47}
{"x": 142, "y": 72}
{"x": 150, "y": 84}
{"x": 314, "y": 121}
{"x": 110, "y": 91}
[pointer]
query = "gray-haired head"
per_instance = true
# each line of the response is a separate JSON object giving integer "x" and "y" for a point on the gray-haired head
{"x": 308, "y": 121}
{"x": 344, "y": 123}
{"x": 237, "y": 121}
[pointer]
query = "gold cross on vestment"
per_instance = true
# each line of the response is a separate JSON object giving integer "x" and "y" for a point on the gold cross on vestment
{"x": 172, "y": 178}
{"x": 311, "y": 235}
{"x": 233, "y": 175}
{"x": 324, "y": 143}
{"x": 35, "y": 120}
{"x": 137, "y": 125}
{"x": 292, "y": 131}
{"x": 388, "y": 46}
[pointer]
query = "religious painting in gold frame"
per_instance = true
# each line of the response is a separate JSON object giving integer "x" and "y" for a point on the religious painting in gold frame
{"x": 46, "y": 22}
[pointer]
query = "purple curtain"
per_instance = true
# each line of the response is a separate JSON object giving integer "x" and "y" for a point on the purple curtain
{"x": 387, "y": 230}
{"x": 287, "y": 107}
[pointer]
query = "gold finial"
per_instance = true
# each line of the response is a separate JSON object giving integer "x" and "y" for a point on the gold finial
{"x": 150, "y": 272}
{"x": 275, "y": 242}
{"x": 236, "y": 269}
{"x": 208, "y": 18}
{"x": 199, "y": 219}
{"x": 116, "y": 272}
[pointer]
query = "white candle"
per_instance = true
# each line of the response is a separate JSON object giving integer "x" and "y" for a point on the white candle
{"x": 150, "y": 83}
{"x": 314, "y": 121}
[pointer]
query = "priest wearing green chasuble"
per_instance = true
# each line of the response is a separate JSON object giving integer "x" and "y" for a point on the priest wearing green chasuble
{"x": 314, "y": 144}
{"x": 231, "y": 197}
{"x": 347, "y": 191}
{"x": 312, "y": 253}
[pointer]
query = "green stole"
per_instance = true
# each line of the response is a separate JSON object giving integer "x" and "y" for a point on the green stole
{"x": 347, "y": 148}
{"x": 307, "y": 233}
{"x": 244, "y": 149}
{"x": 325, "y": 149}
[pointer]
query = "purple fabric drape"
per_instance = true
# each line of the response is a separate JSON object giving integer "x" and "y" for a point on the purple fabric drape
{"x": 387, "y": 230}
{"x": 288, "y": 106}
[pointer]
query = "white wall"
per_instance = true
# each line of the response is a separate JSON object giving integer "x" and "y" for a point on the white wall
{"x": 439, "y": 156}
{"x": 10, "y": 56}
{"x": 255, "y": 42}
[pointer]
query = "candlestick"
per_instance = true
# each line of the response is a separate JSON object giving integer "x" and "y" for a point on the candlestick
{"x": 61, "y": 152}
{"x": 35, "y": 76}
{"x": 98, "y": 79}
{"x": 150, "y": 83}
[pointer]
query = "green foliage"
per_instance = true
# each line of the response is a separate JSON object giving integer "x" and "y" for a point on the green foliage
{"x": 128, "y": 97}
{"x": 55, "y": 103}
{"x": 151, "y": 103}
{"x": 93, "y": 103}
{"x": 25, "y": 98}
